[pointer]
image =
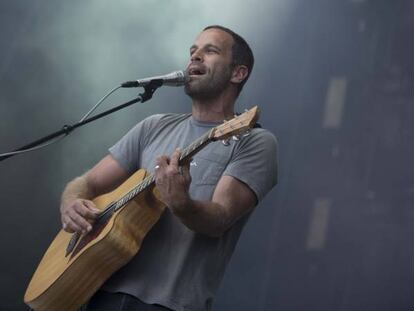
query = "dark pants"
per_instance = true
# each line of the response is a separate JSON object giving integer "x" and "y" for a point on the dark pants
{"x": 104, "y": 301}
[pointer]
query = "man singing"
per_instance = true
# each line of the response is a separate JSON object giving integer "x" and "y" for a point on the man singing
{"x": 183, "y": 258}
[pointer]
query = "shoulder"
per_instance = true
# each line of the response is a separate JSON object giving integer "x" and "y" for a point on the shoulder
{"x": 255, "y": 161}
{"x": 259, "y": 139}
{"x": 263, "y": 134}
{"x": 157, "y": 121}
{"x": 164, "y": 118}
{"x": 157, "y": 125}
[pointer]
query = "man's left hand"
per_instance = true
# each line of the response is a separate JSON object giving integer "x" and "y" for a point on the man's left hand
{"x": 173, "y": 181}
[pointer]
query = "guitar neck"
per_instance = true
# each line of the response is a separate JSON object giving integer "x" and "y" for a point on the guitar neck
{"x": 235, "y": 126}
{"x": 149, "y": 181}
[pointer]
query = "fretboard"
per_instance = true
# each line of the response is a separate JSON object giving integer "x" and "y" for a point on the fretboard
{"x": 149, "y": 181}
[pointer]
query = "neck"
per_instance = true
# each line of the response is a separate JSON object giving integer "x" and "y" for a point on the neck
{"x": 215, "y": 109}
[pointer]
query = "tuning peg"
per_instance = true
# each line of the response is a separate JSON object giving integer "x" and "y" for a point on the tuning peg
{"x": 226, "y": 142}
{"x": 247, "y": 133}
{"x": 236, "y": 137}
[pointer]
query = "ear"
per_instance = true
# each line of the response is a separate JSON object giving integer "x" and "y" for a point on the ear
{"x": 240, "y": 72}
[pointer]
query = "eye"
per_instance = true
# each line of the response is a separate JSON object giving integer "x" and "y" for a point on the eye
{"x": 212, "y": 51}
{"x": 193, "y": 49}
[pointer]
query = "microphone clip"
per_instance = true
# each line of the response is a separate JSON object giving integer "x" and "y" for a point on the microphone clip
{"x": 149, "y": 89}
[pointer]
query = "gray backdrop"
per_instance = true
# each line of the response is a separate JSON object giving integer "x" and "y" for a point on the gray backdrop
{"x": 334, "y": 80}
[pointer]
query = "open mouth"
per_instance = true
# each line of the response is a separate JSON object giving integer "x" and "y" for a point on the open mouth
{"x": 195, "y": 71}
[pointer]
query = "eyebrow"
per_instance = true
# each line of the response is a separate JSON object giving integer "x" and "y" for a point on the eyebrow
{"x": 209, "y": 45}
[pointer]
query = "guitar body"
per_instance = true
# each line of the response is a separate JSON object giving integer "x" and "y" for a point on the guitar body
{"x": 65, "y": 282}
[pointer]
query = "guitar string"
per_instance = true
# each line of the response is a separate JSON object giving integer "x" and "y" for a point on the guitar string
{"x": 150, "y": 180}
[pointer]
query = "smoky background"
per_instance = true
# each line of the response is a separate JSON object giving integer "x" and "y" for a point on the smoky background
{"x": 334, "y": 81}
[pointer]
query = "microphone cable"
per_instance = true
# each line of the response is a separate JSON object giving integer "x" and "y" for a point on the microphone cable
{"x": 55, "y": 140}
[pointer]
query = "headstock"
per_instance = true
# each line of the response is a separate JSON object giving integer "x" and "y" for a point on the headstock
{"x": 236, "y": 126}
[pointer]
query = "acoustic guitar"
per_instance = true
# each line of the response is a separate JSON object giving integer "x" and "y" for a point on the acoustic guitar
{"x": 76, "y": 265}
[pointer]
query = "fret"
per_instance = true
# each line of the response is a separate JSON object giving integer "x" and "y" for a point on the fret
{"x": 129, "y": 196}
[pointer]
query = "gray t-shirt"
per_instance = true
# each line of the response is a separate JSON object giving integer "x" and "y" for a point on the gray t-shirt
{"x": 177, "y": 267}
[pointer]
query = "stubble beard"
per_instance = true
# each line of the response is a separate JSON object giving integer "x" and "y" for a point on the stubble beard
{"x": 208, "y": 87}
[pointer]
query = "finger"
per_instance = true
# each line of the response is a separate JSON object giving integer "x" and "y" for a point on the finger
{"x": 175, "y": 158}
{"x": 160, "y": 172}
{"x": 92, "y": 207}
{"x": 65, "y": 226}
{"x": 80, "y": 222}
{"x": 70, "y": 226}
{"x": 186, "y": 173}
{"x": 83, "y": 210}
{"x": 162, "y": 164}
{"x": 186, "y": 169}
{"x": 162, "y": 161}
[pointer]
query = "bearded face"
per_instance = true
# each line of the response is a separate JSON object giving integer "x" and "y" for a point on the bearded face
{"x": 210, "y": 67}
{"x": 209, "y": 84}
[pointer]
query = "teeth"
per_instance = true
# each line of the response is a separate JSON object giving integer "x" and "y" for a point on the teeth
{"x": 196, "y": 72}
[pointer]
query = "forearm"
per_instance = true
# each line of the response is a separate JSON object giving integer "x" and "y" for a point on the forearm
{"x": 78, "y": 188}
{"x": 231, "y": 198}
{"x": 77, "y": 210}
{"x": 204, "y": 217}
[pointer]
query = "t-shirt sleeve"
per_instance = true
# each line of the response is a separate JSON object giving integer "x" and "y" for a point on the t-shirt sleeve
{"x": 127, "y": 151}
{"x": 255, "y": 162}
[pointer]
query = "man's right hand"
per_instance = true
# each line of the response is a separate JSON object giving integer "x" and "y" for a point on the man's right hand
{"x": 77, "y": 212}
{"x": 78, "y": 215}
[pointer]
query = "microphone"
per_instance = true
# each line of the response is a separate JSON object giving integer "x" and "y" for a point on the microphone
{"x": 175, "y": 78}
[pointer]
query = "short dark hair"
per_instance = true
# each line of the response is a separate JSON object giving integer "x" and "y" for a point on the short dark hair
{"x": 241, "y": 52}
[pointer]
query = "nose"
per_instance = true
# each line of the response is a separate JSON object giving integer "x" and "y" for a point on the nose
{"x": 196, "y": 56}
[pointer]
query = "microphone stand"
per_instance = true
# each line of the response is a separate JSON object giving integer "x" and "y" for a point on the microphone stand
{"x": 149, "y": 90}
